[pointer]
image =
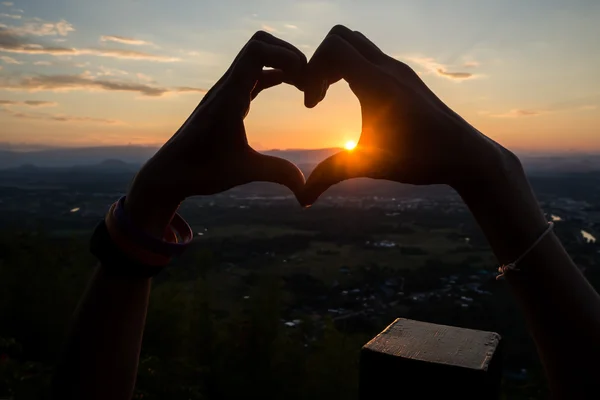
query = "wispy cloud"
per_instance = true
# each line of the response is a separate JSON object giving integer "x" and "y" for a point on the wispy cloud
{"x": 144, "y": 77}
{"x": 39, "y": 27}
{"x": 517, "y": 113}
{"x": 188, "y": 89}
{"x": 105, "y": 71}
{"x": 8, "y": 3}
{"x": 454, "y": 75}
{"x": 87, "y": 82}
{"x": 28, "y": 103}
{"x": 11, "y": 16}
{"x": 268, "y": 28}
{"x": 57, "y": 117}
{"x": 14, "y": 40}
{"x": 125, "y": 40}
{"x": 471, "y": 64}
{"x": 290, "y": 26}
{"x": 431, "y": 66}
{"x": 9, "y": 60}
{"x": 586, "y": 103}
{"x": 42, "y": 63}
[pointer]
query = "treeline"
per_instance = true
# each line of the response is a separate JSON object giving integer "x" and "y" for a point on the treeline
{"x": 201, "y": 344}
{"x": 190, "y": 350}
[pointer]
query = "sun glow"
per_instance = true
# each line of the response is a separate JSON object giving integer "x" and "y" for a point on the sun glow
{"x": 350, "y": 145}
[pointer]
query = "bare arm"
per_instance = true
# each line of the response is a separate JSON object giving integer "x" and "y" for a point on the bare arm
{"x": 409, "y": 135}
{"x": 208, "y": 154}
{"x": 561, "y": 308}
{"x": 100, "y": 359}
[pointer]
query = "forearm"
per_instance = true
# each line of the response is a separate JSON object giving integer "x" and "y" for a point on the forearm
{"x": 561, "y": 308}
{"x": 101, "y": 355}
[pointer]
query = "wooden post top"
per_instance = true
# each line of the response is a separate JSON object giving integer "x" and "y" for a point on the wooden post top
{"x": 422, "y": 360}
{"x": 441, "y": 344}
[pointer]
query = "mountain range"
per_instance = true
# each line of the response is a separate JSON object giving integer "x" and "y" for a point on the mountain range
{"x": 127, "y": 158}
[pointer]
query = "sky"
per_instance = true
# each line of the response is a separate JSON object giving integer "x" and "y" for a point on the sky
{"x": 119, "y": 72}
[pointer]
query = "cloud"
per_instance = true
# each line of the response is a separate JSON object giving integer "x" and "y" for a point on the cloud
{"x": 433, "y": 67}
{"x": 46, "y": 63}
{"x": 125, "y": 40}
{"x": 12, "y": 16}
{"x": 188, "y": 89}
{"x": 28, "y": 103}
{"x": 38, "y": 27}
{"x": 9, "y": 60}
{"x": 58, "y": 117}
{"x": 518, "y": 113}
{"x": 290, "y": 26}
{"x": 471, "y": 64}
{"x": 268, "y": 28}
{"x": 87, "y": 82}
{"x": 12, "y": 43}
{"x": 13, "y": 39}
{"x": 586, "y": 103}
{"x": 8, "y": 3}
{"x": 144, "y": 77}
{"x": 104, "y": 71}
{"x": 454, "y": 75}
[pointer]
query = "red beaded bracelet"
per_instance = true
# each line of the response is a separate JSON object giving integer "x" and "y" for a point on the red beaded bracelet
{"x": 140, "y": 245}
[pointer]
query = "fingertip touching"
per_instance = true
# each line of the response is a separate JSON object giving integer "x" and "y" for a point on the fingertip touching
{"x": 329, "y": 172}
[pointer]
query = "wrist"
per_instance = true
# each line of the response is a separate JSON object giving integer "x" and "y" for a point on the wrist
{"x": 150, "y": 213}
{"x": 492, "y": 166}
{"x": 506, "y": 208}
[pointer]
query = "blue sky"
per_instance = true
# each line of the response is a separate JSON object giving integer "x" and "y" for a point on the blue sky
{"x": 80, "y": 73}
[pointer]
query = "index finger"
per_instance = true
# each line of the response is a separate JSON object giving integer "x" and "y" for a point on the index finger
{"x": 336, "y": 59}
{"x": 258, "y": 54}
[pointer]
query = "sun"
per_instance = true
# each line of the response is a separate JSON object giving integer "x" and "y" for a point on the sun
{"x": 350, "y": 145}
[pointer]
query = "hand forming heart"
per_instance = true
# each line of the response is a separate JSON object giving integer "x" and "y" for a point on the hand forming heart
{"x": 408, "y": 134}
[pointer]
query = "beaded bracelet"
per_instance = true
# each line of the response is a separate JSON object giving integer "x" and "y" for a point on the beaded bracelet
{"x": 503, "y": 269}
{"x": 127, "y": 250}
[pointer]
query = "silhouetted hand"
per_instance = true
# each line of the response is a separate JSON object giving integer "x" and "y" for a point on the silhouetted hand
{"x": 210, "y": 152}
{"x": 408, "y": 134}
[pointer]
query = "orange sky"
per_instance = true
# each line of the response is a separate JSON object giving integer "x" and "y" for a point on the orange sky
{"x": 521, "y": 73}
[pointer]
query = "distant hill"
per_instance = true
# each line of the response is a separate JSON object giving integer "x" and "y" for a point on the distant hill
{"x": 129, "y": 158}
{"x": 68, "y": 157}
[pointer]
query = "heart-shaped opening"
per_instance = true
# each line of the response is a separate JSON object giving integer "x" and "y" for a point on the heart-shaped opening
{"x": 279, "y": 124}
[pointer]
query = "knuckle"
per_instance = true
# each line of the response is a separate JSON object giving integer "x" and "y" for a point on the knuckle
{"x": 405, "y": 69}
{"x": 339, "y": 30}
{"x": 303, "y": 58}
{"x": 253, "y": 49}
{"x": 333, "y": 42}
{"x": 403, "y": 66}
{"x": 260, "y": 35}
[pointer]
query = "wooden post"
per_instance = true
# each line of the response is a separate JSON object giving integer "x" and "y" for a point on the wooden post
{"x": 419, "y": 360}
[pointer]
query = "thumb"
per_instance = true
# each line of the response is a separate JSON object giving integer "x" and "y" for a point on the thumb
{"x": 264, "y": 168}
{"x": 331, "y": 171}
{"x": 357, "y": 163}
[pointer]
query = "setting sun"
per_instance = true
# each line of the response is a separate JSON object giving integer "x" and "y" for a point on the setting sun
{"x": 350, "y": 145}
